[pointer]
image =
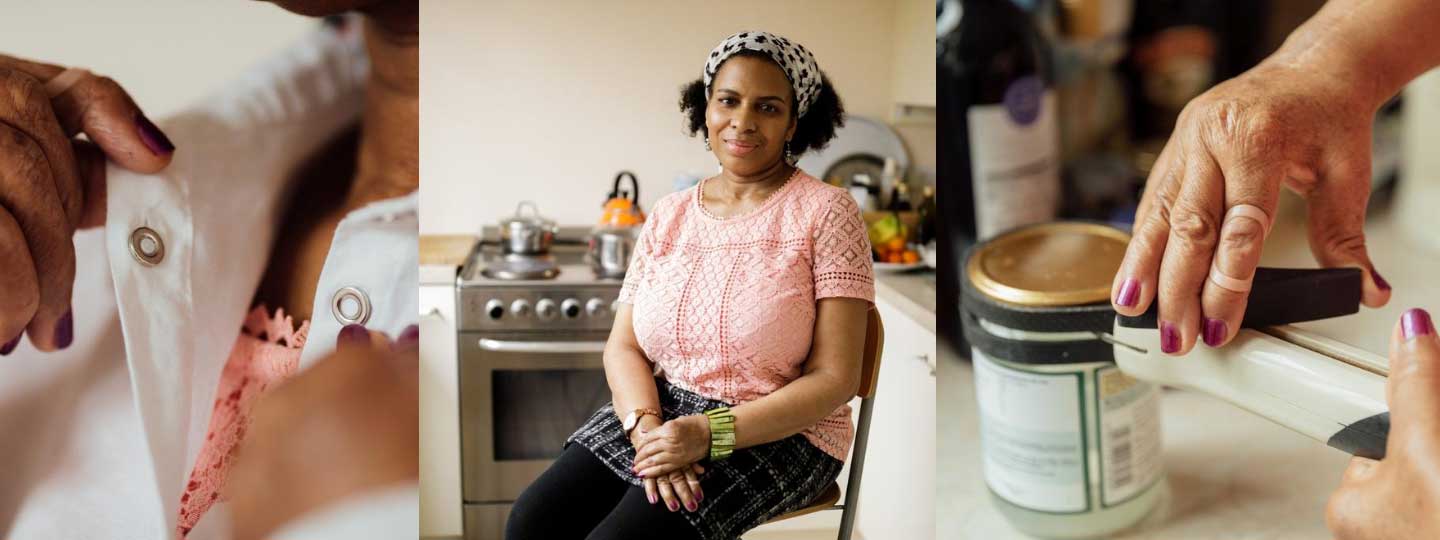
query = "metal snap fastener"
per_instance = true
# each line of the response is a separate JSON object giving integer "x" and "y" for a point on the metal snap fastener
{"x": 350, "y": 305}
{"x": 146, "y": 246}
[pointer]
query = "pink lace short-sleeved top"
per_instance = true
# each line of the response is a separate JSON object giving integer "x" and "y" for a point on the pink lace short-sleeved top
{"x": 726, "y": 308}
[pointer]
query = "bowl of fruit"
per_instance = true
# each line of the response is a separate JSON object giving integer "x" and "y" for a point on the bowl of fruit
{"x": 889, "y": 239}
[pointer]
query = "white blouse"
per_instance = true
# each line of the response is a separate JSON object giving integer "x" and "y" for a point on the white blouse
{"x": 99, "y": 439}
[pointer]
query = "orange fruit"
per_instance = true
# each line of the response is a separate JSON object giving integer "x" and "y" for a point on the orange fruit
{"x": 910, "y": 257}
{"x": 896, "y": 244}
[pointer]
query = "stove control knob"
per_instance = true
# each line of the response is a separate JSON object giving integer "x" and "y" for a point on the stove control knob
{"x": 545, "y": 309}
{"x": 494, "y": 309}
{"x": 596, "y": 307}
{"x": 520, "y": 308}
{"x": 570, "y": 307}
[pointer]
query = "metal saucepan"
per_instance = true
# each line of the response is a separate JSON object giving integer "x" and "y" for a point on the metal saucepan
{"x": 527, "y": 235}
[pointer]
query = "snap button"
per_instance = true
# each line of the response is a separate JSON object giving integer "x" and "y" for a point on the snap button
{"x": 350, "y": 305}
{"x": 146, "y": 246}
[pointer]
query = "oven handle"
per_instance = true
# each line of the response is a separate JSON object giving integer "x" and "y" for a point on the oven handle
{"x": 551, "y": 347}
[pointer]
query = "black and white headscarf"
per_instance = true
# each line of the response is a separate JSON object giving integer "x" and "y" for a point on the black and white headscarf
{"x": 797, "y": 63}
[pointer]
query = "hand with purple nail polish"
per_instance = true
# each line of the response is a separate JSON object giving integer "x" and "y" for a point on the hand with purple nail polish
{"x": 52, "y": 184}
{"x": 1399, "y": 496}
{"x": 366, "y": 395}
{"x": 1298, "y": 120}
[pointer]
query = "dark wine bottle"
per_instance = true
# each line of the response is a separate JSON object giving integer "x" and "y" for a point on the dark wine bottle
{"x": 998, "y": 141}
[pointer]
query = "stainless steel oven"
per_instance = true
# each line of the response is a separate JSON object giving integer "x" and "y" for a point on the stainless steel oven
{"x": 531, "y": 371}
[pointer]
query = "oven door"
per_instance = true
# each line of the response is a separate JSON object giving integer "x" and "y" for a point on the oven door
{"x": 521, "y": 396}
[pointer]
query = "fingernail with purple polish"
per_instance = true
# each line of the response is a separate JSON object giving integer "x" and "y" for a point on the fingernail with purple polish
{"x": 673, "y": 506}
{"x": 650, "y": 497}
{"x": 1169, "y": 338}
{"x": 353, "y": 334}
{"x": 151, "y": 135}
{"x": 1416, "y": 322}
{"x": 409, "y": 338}
{"x": 9, "y": 346}
{"x": 1215, "y": 330}
{"x": 1129, "y": 293}
{"x": 65, "y": 330}
{"x": 1379, "y": 281}
{"x": 691, "y": 507}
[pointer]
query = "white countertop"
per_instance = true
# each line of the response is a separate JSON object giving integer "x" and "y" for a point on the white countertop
{"x": 1230, "y": 474}
{"x": 913, "y": 293}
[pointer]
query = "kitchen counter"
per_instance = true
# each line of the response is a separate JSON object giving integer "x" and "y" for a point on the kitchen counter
{"x": 1230, "y": 474}
{"x": 445, "y": 249}
{"x": 912, "y": 293}
{"x": 441, "y": 256}
{"x": 438, "y": 274}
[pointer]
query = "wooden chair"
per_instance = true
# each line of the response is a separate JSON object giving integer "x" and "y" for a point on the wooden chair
{"x": 869, "y": 376}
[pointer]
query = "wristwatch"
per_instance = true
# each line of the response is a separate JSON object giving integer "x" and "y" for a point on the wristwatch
{"x": 633, "y": 419}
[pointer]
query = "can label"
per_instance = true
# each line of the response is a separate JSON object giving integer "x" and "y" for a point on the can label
{"x": 1032, "y": 436}
{"x": 1050, "y": 440}
{"x": 1129, "y": 422}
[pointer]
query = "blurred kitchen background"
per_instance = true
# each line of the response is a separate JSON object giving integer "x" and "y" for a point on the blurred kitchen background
{"x": 569, "y": 107}
{"x": 1121, "y": 71}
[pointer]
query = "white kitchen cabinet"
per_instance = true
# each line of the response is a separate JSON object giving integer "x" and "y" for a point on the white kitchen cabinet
{"x": 440, "y": 502}
{"x": 898, "y": 488}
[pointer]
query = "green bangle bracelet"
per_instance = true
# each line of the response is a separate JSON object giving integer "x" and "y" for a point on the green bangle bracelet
{"x": 722, "y": 433}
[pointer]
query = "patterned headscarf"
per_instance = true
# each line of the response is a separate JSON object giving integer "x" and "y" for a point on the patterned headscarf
{"x": 797, "y": 63}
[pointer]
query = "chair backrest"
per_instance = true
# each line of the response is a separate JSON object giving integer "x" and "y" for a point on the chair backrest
{"x": 874, "y": 346}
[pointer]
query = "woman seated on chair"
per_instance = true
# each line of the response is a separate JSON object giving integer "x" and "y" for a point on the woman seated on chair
{"x": 749, "y": 293}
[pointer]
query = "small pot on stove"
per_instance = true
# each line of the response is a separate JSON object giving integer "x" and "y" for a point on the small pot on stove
{"x": 610, "y": 249}
{"x": 527, "y": 235}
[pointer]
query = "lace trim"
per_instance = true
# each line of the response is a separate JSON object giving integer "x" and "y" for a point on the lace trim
{"x": 266, "y": 353}
{"x": 853, "y": 276}
{"x": 278, "y": 330}
{"x": 774, "y": 195}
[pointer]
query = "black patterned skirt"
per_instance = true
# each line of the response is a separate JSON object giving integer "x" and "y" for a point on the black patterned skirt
{"x": 756, "y": 483}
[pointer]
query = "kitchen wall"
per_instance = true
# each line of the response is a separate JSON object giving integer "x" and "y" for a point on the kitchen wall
{"x": 158, "y": 71}
{"x": 548, "y": 100}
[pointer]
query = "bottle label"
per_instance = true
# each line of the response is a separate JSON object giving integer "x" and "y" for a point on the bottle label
{"x": 1129, "y": 425}
{"x": 1032, "y": 436}
{"x": 1014, "y": 158}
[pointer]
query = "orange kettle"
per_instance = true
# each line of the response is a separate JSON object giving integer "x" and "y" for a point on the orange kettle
{"x": 622, "y": 209}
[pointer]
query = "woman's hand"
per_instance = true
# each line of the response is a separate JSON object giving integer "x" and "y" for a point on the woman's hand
{"x": 673, "y": 446}
{"x": 344, "y": 426}
{"x": 1399, "y": 496}
{"x": 1234, "y": 146}
{"x": 52, "y": 184}
{"x": 678, "y": 489}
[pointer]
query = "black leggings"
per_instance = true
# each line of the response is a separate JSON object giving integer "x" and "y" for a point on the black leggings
{"x": 578, "y": 498}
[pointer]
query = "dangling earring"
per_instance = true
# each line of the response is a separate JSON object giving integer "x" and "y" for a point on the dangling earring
{"x": 707, "y": 143}
{"x": 789, "y": 157}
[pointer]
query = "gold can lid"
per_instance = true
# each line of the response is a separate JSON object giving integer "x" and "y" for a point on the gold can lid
{"x": 1053, "y": 264}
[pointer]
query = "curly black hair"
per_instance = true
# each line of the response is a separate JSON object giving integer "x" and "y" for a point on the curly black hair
{"x": 812, "y": 132}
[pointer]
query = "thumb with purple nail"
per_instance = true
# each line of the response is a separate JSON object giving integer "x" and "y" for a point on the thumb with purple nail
{"x": 347, "y": 425}
{"x": 1399, "y": 496}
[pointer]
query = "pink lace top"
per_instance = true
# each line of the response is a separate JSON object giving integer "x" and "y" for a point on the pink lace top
{"x": 267, "y": 353}
{"x": 726, "y": 308}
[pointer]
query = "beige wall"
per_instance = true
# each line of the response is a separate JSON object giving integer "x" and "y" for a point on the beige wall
{"x": 166, "y": 53}
{"x": 548, "y": 100}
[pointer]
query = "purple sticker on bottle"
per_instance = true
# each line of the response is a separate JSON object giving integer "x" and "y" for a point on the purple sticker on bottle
{"x": 1022, "y": 99}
